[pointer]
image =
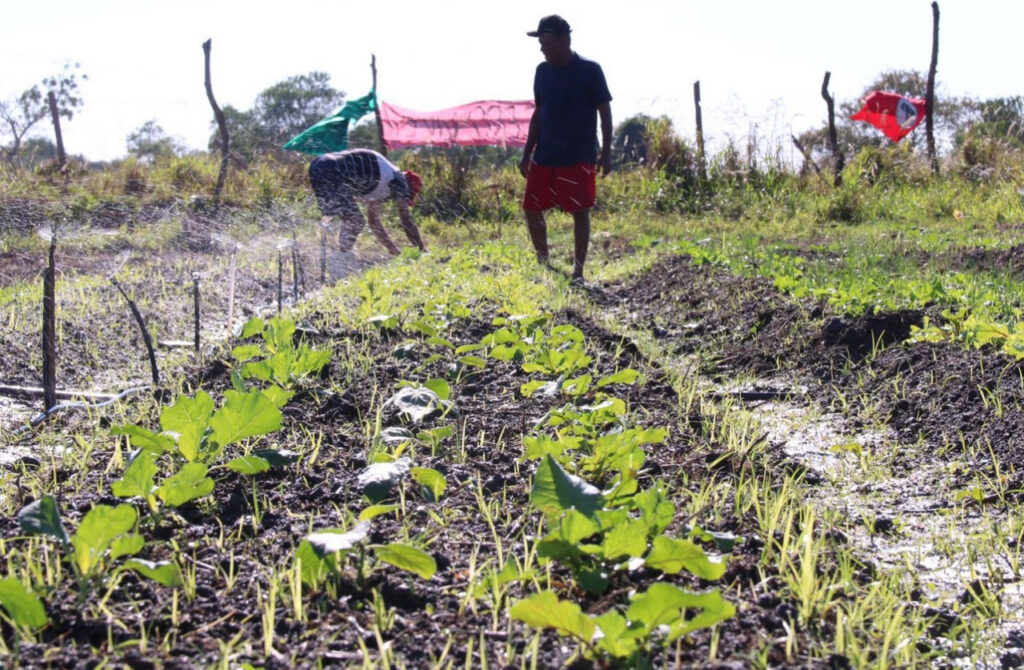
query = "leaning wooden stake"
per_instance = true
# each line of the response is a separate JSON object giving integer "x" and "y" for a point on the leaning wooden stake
{"x": 221, "y": 124}
{"x": 55, "y": 114}
{"x": 376, "y": 108}
{"x": 323, "y": 255}
{"x": 50, "y": 330}
{"x": 280, "y": 280}
{"x": 295, "y": 270}
{"x": 195, "y": 307}
{"x": 701, "y": 165}
{"x": 231, "y": 291}
{"x": 833, "y": 141}
{"x": 146, "y": 338}
{"x": 929, "y": 106}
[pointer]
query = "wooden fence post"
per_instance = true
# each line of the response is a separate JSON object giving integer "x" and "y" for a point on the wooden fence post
{"x": 376, "y": 108}
{"x": 50, "y": 330}
{"x": 221, "y": 124}
{"x": 195, "y": 307}
{"x": 833, "y": 141}
{"x": 929, "y": 107}
{"x": 701, "y": 164}
{"x": 55, "y": 114}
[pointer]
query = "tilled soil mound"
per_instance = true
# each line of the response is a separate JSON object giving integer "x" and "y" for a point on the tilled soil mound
{"x": 947, "y": 395}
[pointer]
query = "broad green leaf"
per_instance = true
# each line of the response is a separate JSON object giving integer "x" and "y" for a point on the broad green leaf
{"x": 248, "y": 465}
{"x": 466, "y": 348}
{"x": 188, "y": 484}
{"x": 439, "y": 341}
{"x": 440, "y": 388}
{"x": 277, "y": 395}
{"x": 189, "y": 419}
{"x": 547, "y": 388}
{"x": 310, "y": 361}
{"x": 161, "y": 572}
{"x": 126, "y": 545}
{"x": 253, "y": 326}
{"x": 378, "y": 479}
{"x": 472, "y": 362}
{"x": 137, "y": 479}
{"x": 655, "y": 509}
{"x": 333, "y": 540}
{"x": 626, "y": 539}
{"x": 714, "y": 609}
{"x": 278, "y": 333}
{"x": 555, "y": 490}
{"x": 313, "y": 568}
{"x": 408, "y": 558}
{"x": 663, "y": 604}
{"x": 43, "y": 518}
{"x": 144, "y": 439}
{"x": 245, "y": 352}
{"x": 616, "y": 638}
{"x": 417, "y": 403}
{"x": 99, "y": 527}
{"x": 671, "y": 555}
{"x": 627, "y": 376}
{"x": 541, "y": 445}
{"x": 374, "y": 511}
{"x": 575, "y": 527}
{"x": 652, "y": 436}
{"x": 261, "y": 370}
{"x": 545, "y": 610}
{"x": 658, "y": 605}
{"x": 244, "y": 415}
{"x": 435, "y": 434}
{"x": 24, "y": 606}
{"x": 432, "y": 480}
{"x": 593, "y": 580}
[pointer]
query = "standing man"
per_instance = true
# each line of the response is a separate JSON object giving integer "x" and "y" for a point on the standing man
{"x": 560, "y": 160}
{"x": 339, "y": 179}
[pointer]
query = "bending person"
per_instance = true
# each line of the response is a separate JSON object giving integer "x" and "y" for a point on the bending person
{"x": 341, "y": 179}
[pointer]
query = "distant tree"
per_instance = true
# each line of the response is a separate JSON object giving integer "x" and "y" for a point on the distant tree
{"x": 999, "y": 119}
{"x": 150, "y": 142}
{"x": 629, "y": 143}
{"x": 37, "y": 150}
{"x": 18, "y": 116}
{"x": 279, "y": 113}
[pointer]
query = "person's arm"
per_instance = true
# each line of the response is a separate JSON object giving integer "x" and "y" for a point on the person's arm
{"x": 531, "y": 141}
{"x": 605, "y": 160}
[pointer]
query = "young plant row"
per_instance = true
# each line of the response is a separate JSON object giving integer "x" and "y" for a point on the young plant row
{"x": 601, "y": 524}
{"x": 197, "y": 443}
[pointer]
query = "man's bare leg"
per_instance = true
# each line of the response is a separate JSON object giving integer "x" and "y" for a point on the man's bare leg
{"x": 538, "y": 228}
{"x": 352, "y": 223}
{"x": 373, "y": 213}
{"x": 581, "y": 233}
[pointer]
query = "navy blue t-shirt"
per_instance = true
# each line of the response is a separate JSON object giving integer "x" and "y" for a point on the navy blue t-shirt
{"x": 567, "y": 98}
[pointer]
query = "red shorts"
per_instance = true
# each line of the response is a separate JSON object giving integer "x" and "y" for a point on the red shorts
{"x": 571, "y": 187}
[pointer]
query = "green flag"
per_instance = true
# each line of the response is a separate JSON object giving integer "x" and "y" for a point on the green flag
{"x": 331, "y": 134}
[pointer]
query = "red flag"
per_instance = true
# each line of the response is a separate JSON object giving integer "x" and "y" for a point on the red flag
{"x": 891, "y": 113}
{"x": 481, "y": 123}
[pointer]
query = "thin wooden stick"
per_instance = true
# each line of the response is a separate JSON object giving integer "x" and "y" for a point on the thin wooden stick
{"x": 195, "y": 305}
{"x": 146, "y": 337}
{"x": 50, "y": 329}
{"x": 231, "y": 290}
{"x": 280, "y": 279}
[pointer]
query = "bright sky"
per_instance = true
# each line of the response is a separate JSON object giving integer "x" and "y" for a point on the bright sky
{"x": 758, "y": 62}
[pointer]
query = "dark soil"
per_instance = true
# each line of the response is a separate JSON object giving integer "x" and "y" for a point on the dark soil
{"x": 751, "y": 328}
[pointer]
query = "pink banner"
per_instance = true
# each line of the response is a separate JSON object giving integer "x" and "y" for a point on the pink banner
{"x": 481, "y": 123}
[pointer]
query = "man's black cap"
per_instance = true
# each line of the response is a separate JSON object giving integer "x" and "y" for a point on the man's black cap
{"x": 553, "y": 24}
